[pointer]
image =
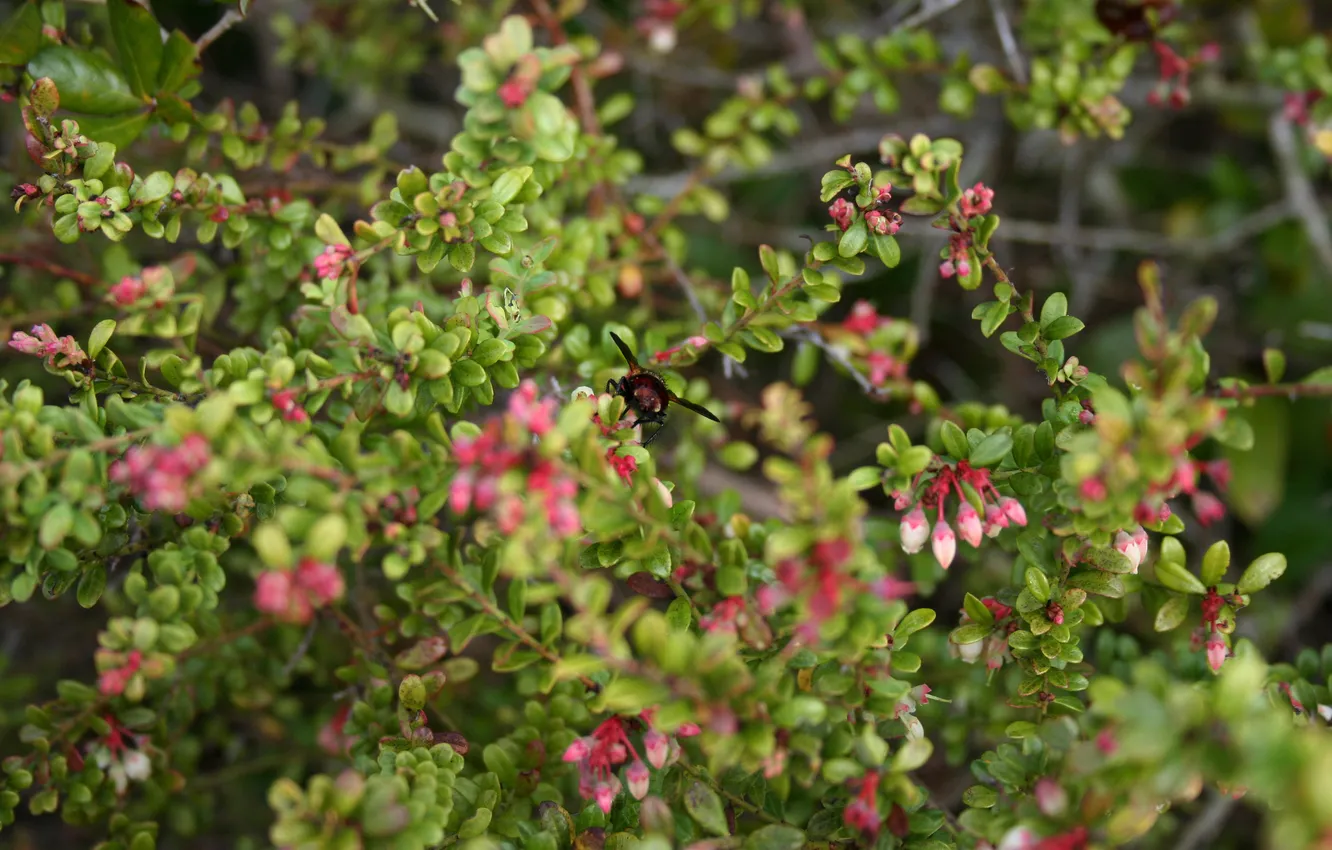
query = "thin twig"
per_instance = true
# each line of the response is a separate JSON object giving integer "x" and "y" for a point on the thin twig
{"x": 1299, "y": 190}
{"x": 228, "y": 20}
{"x": 1005, "y": 30}
{"x": 836, "y": 355}
{"x": 929, "y": 10}
{"x": 83, "y": 279}
{"x": 1207, "y": 825}
{"x": 303, "y": 648}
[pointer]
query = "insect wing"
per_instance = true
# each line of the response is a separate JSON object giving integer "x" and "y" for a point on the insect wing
{"x": 697, "y": 408}
{"x": 628, "y": 355}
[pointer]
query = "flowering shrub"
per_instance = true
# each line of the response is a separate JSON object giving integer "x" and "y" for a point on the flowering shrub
{"x": 357, "y": 541}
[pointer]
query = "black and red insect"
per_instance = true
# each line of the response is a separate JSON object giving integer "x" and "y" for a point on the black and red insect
{"x": 647, "y": 395}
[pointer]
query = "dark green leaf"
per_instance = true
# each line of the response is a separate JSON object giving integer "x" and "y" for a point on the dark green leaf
{"x": 138, "y": 42}
{"x": 775, "y": 837}
{"x": 1062, "y": 328}
{"x": 992, "y": 449}
{"x": 854, "y": 240}
{"x": 21, "y": 35}
{"x": 87, "y": 81}
{"x": 119, "y": 130}
{"x": 180, "y": 62}
{"x": 955, "y": 442}
{"x": 705, "y": 807}
{"x": 887, "y": 249}
{"x": 1107, "y": 559}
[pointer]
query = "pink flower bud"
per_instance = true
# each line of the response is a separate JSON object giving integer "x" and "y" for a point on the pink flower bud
{"x": 946, "y": 269}
{"x": 1128, "y": 547}
{"x": 969, "y": 524}
{"x": 915, "y": 529}
{"x": 963, "y": 269}
{"x": 995, "y": 521}
{"x": 687, "y": 730}
{"x": 1216, "y": 653}
{"x": 605, "y": 796}
{"x": 1051, "y": 798}
{"x": 578, "y": 750}
{"x": 1140, "y": 538}
{"x": 1013, "y": 509}
{"x": 943, "y": 544}
{"x": 637, "y": 776}
{"x": 1207, "y": 508}
{"x": 656, "y": 744}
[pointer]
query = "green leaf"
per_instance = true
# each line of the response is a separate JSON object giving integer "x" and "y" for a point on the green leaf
{"x": 679, "y": 615}
{"x": 510, "y": 183}
{"x": 854, "y": 240}
{"x": 992, "y": 449}
{"x": 995, "y": 314}
{"x": 865, "y": 477}
{"x": 138, "y": 43}
{"x": 91, "y": 585}
{"x": 705, "y": 807}
{"x": 738, "y": 455}
{"x": 119, "y": 130}
{"x": 1263, "y": 571}
{"x": 1095, "y": 581}
{"x": 1055, "y": 307}
{"x": 1038, "y": 584}
{"x": 101, "y": 334}
{"x": 913, "y": 622}
{"x": 970, "y": 633}
{"x": 87, "y": 81}
{"x": 21, "y": 35}
{"x": 1215, "y": 563}
{"x": 1172, "y": 613}
{"x": 1176, "y": 577}
{"x": 977, "y": 611}
{"x": 329, "y": 232}
{"x": 913, "y": 754}
{"x": 56, "y": 523}
{"x": 887, "y": 249}
{"x": 1108, "y": 560}
{"x": 180, "y": 63}
{"x": 775, "y": 837}
{"x": 955, "y": 442}
{"x": 980, "y": 797}
{"x": 1274, "y": 364}
{"x": 1062, "y": 328}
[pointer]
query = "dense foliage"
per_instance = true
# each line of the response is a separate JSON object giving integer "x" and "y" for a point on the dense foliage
{"x": 319, "y": 456}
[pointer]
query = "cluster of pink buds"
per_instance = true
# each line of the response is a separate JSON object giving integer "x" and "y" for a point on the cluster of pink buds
{"x": 294, "y": 595}
{"x": 994, "y": 649}
{"x": 1297, "y": 105}
{"x": 514, "y": 92}
{"x": 121, "y": 762}
{"x": 880, "y": 221}
{"x": 822, "y": 582}
{"x": 161, "y": 476}
{"x": 1210, "y": 634}
{"x": 155, "y": 282}
{"x": 506, "y": 446}
{"x": 598, "y": 754}
{"x": 43, "y": 342}
{"x": 957, "y": 256}
{"x": 1132, "y": 544}
{"x": 285, "y": 403}
{"x": 1173, "y": 85}
{"x": 999, "y": 513}
{"x": 23, "y": 192}
{"x": 862, "y": 813}
{"x": 113, "y": 681}
{"x": 329, "y": 264}
{"x": 977, "y": 200}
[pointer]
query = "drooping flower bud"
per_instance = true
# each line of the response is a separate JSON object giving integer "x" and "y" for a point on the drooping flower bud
{"x": 969, "y": 524}
{"x": 1013, "y": 509}
{"x": 1051, "y": 798}
{"x": 637, "y": 776}
{"x": 579, "y": 750}
{"x": 915, "y": 530}
{"x": 944, "y": 544}
{"x": 1216, "y": 653}
{"x": 1128, "y": 547}
{"x": 995, "y": 521}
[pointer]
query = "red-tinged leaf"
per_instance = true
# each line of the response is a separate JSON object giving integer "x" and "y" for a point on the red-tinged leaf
{"x": 646, "y": 585}
{"x": 533, "y": 325}
{"x": 423, "y": 654}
